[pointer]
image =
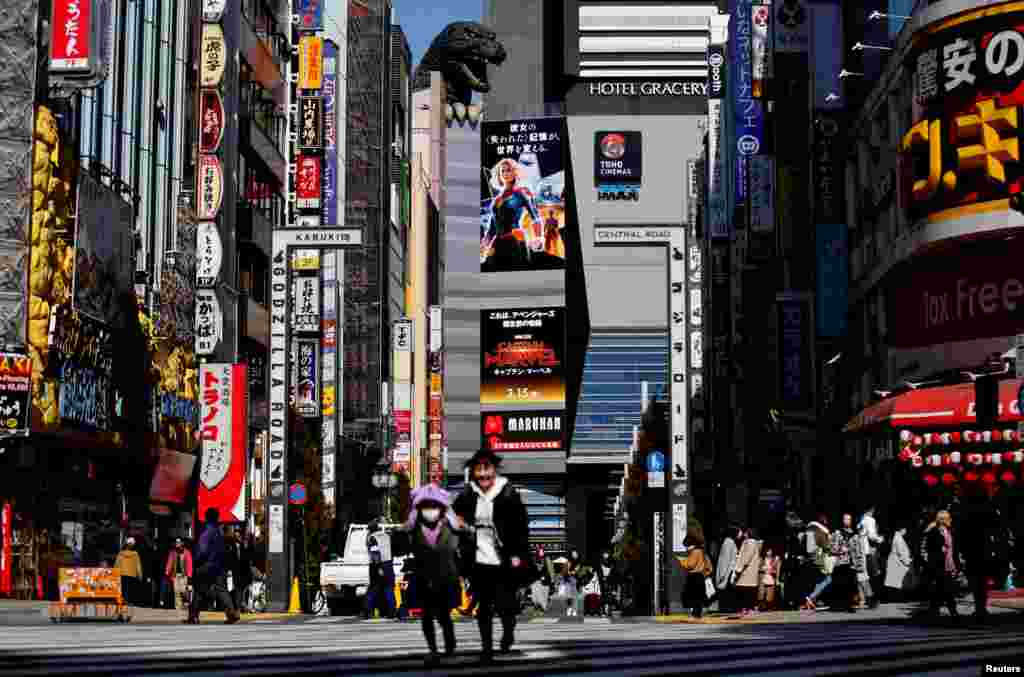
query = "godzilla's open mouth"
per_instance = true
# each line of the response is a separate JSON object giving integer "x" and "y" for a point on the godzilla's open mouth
{"x": 476, "y": 74}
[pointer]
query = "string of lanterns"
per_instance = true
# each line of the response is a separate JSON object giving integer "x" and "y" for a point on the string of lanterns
{"x": 971, "y": 466}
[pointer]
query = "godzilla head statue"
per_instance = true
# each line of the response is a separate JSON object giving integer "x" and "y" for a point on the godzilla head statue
{"x": 461, "y": 52}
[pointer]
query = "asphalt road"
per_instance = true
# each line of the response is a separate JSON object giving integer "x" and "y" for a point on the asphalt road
{"x": 880, "y": 646}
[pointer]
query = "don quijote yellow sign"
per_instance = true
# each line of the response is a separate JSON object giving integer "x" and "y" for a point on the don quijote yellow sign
{"x": 962, "y": 153}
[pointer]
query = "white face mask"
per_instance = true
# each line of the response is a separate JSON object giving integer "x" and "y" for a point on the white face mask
{"x": 430, "y": 515}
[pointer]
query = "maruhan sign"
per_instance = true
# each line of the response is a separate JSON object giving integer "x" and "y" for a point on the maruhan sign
{"x": 648, "y": 89}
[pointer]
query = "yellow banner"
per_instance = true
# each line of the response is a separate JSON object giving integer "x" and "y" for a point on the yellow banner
{"x": 311, "y": 62}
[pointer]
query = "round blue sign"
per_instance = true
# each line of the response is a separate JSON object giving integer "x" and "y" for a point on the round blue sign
{"x": 297, "y": 494}
{"x": 655, "y": 461}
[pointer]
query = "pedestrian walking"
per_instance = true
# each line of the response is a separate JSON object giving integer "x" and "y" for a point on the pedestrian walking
{"x": 178, "y": 569}
{"x": 725, "y": 567}
{"x": 608, "y": 578}
{"x": 434, "y": 546}
{"x": 942, "y": 565}
{"x": 986, "y": 544}
{"x": 748, "y": 566}
{"x": 771, "y": 565}
{"x": 210, "y": 575}
{"x": 900, "y": 577}
{"x": 697, "y": 566}
{"x": 872, "y": 543}
{"x": 497, "y": 549}
{"x": 380, "y": 594}
{"x": 129, "y": 564}
{"x": 818, "y": 541}
{"x": 233, "y": 566}
{"x": 845, "y": 549}
{"x": 859, "y": 561}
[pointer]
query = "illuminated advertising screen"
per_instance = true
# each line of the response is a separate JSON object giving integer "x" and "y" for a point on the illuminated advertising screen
{"x": 522, "y": 195}
{"x": 961, "y": 154}
{"x": 523, "y": 430}
{"x": 522, "y": 356}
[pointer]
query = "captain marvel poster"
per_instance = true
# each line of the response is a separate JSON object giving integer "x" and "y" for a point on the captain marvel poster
{"x": 522, "y": 195}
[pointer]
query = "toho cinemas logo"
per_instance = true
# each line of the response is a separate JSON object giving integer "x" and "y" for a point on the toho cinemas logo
{"x": 970, "y": 300}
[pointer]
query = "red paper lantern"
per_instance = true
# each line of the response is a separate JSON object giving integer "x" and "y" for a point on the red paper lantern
{"x": 931, "y": 480}
{"x": 997, "y": 436}
{"x": 970, "y": 476}
{"x": 948, "y": 478}
{"x": 955, "y": 437}
{"x": 988, "y": 477}
{"x": 1008, "y": 477}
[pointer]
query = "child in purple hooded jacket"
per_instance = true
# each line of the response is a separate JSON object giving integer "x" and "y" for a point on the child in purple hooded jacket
{"x": 434, "y": 544}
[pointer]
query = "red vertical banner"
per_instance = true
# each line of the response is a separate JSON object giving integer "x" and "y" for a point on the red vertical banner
{"x": 6, "y": 525}
{"x": 224, "y": 429}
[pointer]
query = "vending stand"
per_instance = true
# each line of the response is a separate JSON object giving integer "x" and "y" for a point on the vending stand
{"x": 89, "y": 593}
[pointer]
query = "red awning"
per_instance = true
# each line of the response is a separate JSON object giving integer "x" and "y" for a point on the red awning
{"x": 945, "y": 406}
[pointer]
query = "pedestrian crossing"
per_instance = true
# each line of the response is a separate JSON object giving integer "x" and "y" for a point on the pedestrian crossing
{"x": 326, "y": 646}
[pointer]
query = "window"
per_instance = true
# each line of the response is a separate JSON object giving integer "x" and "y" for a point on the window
{"x": 614, "y": 369}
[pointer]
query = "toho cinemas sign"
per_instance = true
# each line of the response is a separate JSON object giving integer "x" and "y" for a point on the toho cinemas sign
{"x": 975, "y": 295}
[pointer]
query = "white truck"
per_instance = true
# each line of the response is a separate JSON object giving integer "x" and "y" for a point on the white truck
{"x": 344, "y": 581}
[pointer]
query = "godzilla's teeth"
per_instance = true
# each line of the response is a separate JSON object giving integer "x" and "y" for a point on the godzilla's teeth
{"x": 470, "y": 77}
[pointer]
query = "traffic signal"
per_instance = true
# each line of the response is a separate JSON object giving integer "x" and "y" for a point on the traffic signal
{"x": 986, "y": 400}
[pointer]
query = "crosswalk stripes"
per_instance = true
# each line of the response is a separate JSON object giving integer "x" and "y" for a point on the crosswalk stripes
{"x": 326, "y": 646}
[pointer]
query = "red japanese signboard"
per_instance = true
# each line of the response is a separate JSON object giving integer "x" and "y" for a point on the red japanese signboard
{"x": 307, "y": 182}
{"x": 70, "y": 35}
{"x": 223, "y": 432}
{"x": 211, "y": 121}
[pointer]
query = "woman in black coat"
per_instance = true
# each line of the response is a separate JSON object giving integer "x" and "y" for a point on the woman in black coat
{"x": 497, "y": 552}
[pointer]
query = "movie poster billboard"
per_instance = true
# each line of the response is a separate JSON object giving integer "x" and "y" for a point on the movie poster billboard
{"x": 223, "y": 436}
{"x": 523, "y": 430}
{"x": 522, "y": 195}
{"x": 104, "y": 272}
{"x": 522, "y": 356}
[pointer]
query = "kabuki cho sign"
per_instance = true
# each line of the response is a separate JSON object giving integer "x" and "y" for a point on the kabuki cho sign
{"x": 523, "y": 353}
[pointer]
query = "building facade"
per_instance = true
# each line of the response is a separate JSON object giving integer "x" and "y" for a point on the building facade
{"x": 933, "y": 287}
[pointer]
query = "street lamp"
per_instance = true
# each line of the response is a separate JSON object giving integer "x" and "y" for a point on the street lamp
{"x": 385, "y": 480}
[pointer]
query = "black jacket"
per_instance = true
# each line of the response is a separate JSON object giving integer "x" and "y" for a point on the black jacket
{"x": 435, "y": 567}
{"x": 510, "y": 521}
{"x": 985, "y": 541}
